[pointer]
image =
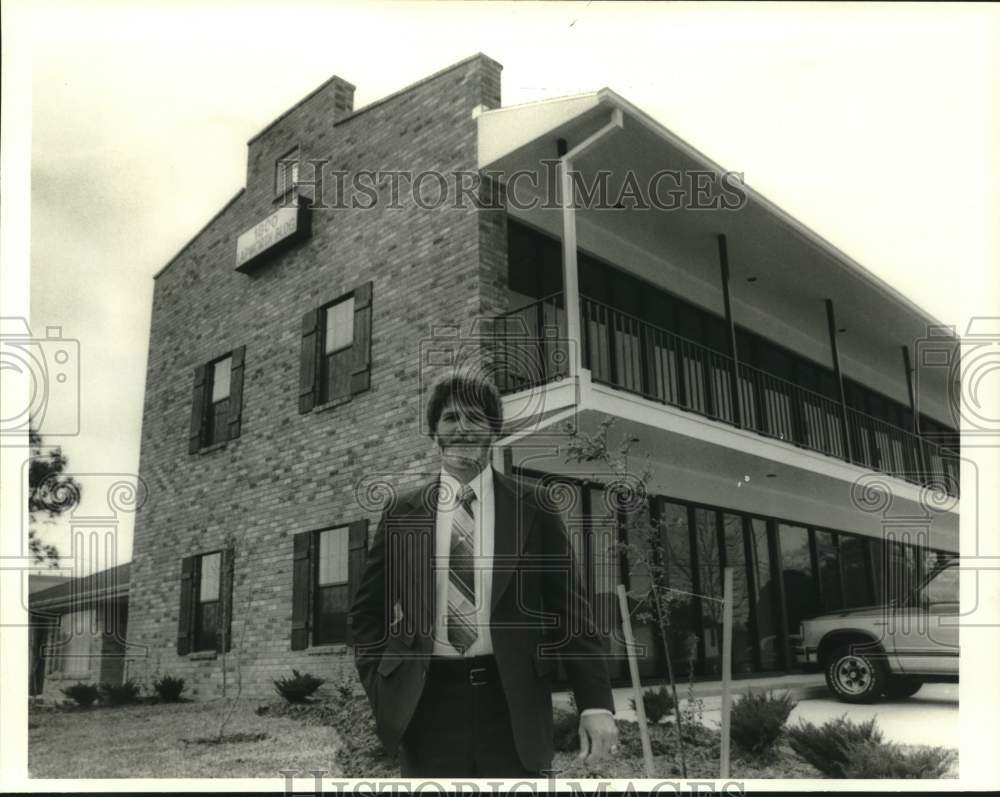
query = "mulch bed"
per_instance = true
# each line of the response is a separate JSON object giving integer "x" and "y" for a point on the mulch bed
{"x": 701, "y": 753}
{"x": 362, "y": 755}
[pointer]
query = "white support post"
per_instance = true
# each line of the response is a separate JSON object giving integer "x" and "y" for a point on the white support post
{"x": 571, "y": 281}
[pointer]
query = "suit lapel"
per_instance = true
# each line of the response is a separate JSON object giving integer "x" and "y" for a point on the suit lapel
{"x": 512, "y": 521}
{"x": 416, "y": 515}
{"x": 513, "y": 518}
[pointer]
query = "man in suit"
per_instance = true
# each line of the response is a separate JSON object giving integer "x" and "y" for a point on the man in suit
{"x": 469, "y": 595}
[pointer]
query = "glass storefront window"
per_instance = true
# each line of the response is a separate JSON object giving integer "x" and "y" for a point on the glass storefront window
{"x": 743, "y": 639}
{"x": 605, "y": 566}
{"x": 829, "y": 570}
{"x": 876, "y": 553}
{"x": 801, "y": 599}
{"x": 901, "y": 576}
{"x": 855, "y": 568}
{"x": 676, "y": 539}
{"x": 783, "y": 574}
{"x": 767, "y": 596}
{"x": 710, "y": 585}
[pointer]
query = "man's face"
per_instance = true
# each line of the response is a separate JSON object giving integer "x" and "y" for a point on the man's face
{"x": 464, "y": 438}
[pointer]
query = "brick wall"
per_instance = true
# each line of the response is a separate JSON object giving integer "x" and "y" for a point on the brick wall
{"x": 291, "y": 472}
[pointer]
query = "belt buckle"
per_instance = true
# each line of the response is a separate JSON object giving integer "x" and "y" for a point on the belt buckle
{"x": 472, "y": 676}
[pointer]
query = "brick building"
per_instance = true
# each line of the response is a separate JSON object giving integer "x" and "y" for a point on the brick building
{"x": 293, "y": 337}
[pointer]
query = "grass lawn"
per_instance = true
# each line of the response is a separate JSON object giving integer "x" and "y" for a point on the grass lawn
{"x": 145, "y": 741}
{"x": 332, "y": 735}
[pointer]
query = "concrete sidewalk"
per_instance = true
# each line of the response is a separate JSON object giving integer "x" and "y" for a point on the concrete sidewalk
{"x": 929, "y": 717}
{"x": 801, "y": 686}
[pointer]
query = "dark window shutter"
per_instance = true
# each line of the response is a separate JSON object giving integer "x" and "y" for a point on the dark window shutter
{"x": 308, "y": 361}
{"x": 236, "y": 392}
{"x": 197, "y": 433}
{"x": 226, "y": 601}
{"x": 302, "y": 587}
{"x": 184, "y": 629}
{"x": 361, "y": 355}
{"x": 357, "y": 555}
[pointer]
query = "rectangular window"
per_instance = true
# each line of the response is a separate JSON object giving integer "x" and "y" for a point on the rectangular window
{"x": 709, "y": 585}
{"x": 828, "y": 556}
{"x": 606, "y": 567}
{"x": 743, "y": 638}
{"x": 332, "y": 577}
{"x": 876, "y": 553}
{"x": 217, "y": 403}
{"x": 899, "y": 570}
{"x": 286, "y": 172}
{"x": 856, "y": 569}
{"x": 206, "y": 614}
{"x": 221, "y": 374}
{"x": 339, "y": 331}
{"x": 218, "y": 410}
{"x": 336, "y": 351}
{"x": 677, "y": 552}
{"x": 801, "y": 598}
{"x": 70, "y": 651}
{"x": 767, "y": 597}
{"x": 338, "y": 338}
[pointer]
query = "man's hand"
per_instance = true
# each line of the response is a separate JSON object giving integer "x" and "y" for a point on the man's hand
{"x": 598, "y": 734}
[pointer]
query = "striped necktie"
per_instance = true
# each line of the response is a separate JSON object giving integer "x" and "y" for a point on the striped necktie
{"x": 462, "y": 631}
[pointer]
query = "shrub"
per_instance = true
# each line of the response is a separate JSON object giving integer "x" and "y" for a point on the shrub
{"x": 888, "y": 760}
{"x": 827, "y": 747}
{"x": 299, "y": 688}
{"x": 565, "y": 731}
{"x": 82, "y": 694}
{"x": 120, "y": 694}
{"x": 169, "y": 688}
{"x": 658, "y": 703}
{"x": 758, "y": 719}
{"x": 343, "y": 687}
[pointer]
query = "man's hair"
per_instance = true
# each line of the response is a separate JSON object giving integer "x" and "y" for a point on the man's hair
{"x": 471, "y": 391}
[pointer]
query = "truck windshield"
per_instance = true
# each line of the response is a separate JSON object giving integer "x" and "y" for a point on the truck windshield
{"x": 940, "y": 590}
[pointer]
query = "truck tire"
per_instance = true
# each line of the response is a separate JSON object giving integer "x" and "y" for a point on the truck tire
{"x": 899, "y": 686}
{"x": 854, "y": 676}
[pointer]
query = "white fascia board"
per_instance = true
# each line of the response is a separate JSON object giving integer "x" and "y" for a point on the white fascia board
{"x": 503, "y": 130}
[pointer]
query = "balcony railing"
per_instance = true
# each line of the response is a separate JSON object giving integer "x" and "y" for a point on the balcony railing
{"x": 630, "y": 354}
{"x": 530, "y": 345}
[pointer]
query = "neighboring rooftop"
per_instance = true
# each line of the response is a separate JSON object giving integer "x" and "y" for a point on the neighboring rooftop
{"x": 110, "y": 583}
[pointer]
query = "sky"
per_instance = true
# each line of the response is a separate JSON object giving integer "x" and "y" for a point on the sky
{"x": 877, "y": 126}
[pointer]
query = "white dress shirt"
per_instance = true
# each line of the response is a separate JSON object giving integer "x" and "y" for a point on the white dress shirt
{"x": 484, "y": 515}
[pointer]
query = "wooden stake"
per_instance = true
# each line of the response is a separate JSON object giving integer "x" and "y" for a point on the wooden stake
{"x": 633, "y": 668}
{"x": 727, "y": 668}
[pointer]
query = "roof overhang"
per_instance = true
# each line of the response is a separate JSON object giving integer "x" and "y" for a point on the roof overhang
{"x": 794, "y": 268}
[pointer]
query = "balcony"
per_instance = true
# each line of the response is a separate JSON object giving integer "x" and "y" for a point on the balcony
{"x": 630, "y": 354}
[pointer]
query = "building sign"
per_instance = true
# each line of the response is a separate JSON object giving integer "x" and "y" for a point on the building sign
{"x": 274, "y": 234}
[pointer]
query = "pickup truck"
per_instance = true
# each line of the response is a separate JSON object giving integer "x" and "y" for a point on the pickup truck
{"x": 890, "y": 649}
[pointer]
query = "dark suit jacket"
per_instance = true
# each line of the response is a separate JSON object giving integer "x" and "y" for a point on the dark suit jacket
{"x": 539, "y": 612}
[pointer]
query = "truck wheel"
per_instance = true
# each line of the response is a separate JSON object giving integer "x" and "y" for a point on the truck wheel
{"x": 855, "y": 677}
{"x": 900, "y": 686}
